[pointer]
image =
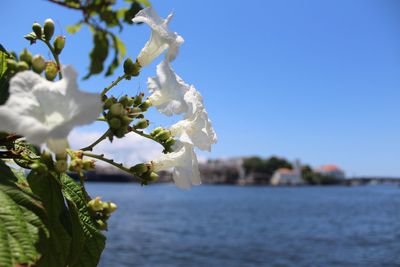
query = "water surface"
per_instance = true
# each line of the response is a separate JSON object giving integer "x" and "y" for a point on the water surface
{"x": 252, "y": 226}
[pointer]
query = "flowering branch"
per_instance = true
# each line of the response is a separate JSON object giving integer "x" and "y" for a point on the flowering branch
{"x": 55, "y": 55}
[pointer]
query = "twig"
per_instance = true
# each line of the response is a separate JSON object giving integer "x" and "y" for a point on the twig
{"x": 101, "y": 138}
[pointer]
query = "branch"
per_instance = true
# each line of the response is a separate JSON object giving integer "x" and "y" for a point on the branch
{"x": 101, "y": 138}
{"x": 63, "y": 4}
{"x": 114, "y": 83}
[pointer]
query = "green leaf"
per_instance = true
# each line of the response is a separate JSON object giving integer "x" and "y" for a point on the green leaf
{"x": 3, "y": 76}
{"x": 146, "y": 3}
{"x": 99, "y": 53}
{"x": 22, "y": 230}
{"x": 119, "y": 53}
{"x": 88, "y": 254}
{"x": 48, "y": 189}
{"x": 74, "y": 28}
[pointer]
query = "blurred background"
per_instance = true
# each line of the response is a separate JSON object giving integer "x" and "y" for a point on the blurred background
{"x": 301, "y": 93}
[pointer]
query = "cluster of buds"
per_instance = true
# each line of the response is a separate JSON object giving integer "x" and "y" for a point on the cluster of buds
{"x": 144, "y": 172}
{"x": 164, "y": 137}
{"x": 45, "y": 34}
{"x": 78, "y": 164}
{"x": 26, "y": 61}
{"x": 101, "y": 211}
{"x": 119, "y": 113}
{"x": 131, "y": 69}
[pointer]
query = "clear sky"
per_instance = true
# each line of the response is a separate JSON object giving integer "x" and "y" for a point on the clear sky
{"x": 315, "y": 80}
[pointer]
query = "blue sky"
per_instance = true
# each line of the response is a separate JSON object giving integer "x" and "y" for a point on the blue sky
{"x": 315, "y": 80}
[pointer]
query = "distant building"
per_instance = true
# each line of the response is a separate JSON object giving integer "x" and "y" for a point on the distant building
{"x": 285, "y": 176}
{"x": 331, "y": 170}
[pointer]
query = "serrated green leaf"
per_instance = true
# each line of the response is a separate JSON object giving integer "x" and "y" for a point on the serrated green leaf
{"x": 94, "y": 241}
{"x": 74, "y": 28}
{"x": 48, "y": 189}
{"x": 22, "y": 230}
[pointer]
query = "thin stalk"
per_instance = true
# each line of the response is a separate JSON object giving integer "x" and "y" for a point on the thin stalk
{"x": 101, "y": 138}
{"x": 109, "y": 161}
{"x": 114, "y": 83}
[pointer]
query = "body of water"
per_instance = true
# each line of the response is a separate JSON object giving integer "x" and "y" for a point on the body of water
{"x": 161, "y": 225}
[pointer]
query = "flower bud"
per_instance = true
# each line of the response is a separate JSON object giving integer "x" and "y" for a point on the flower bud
{"x": 131, "y": 100}
{"x": 25, "y": 56}
{"x": 156, "y": 131}
{"x": 115, "y": 123}
{"x": 22, "y": 65}
{"x": 31, "y": 37}
{"x": 59, "y": 44}
{"x": 51, "y": 70}
{"x": 163, "y": 135}
{"x": 153, "y": 176}
{"x": 61, "y": 165}
{"x": 88, "y": 164}
{"x": 124, "y": 100}
{"x": 125, "y": 120}
{"x": 109, "y": 207}
{"x": 130, "y": 68}
{"x": 145, "y": 105}
{"x": 117, "y": 109}
{"x": 11, "y": 64}
{"x": 38, "y": 64}
{"x": 102, "y": 225}
{"x": 95, "y": 204}
{"x": 76, "y": 165}
{"x": 109, "y": 102}
{"x": 46, "y": 158}
{"x": 138, "y": 99}
{"x": 48, "y": 29}
{"x": 170, "y": 142}
{"x": 139, "y": 169}
{"x": 142, "y": 124}
{"x": 37, "y": 29}
{"x": 134, "y": 112}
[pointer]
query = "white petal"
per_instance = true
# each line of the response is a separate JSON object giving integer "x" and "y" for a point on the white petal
{"x": 41, "y": 110}
{"x": 184, "y": 164}
{"x": 161, "y": 37}
{"x": 168, "y": 90}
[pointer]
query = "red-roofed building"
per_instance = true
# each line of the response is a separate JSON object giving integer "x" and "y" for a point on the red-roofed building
{"x": 331, "y": 170}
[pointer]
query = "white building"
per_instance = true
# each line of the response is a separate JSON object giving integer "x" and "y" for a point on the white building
{"x": 285, "y": 176}
{"x": 331, "y": 170}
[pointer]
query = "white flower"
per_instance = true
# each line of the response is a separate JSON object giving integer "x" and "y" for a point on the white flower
{"x": 161, "y": 37}
{"x": 168, "y": 90}
{"x": 195, "y": 130}
{"x": 184, "y": 163}
{"x": 44, "y": 111}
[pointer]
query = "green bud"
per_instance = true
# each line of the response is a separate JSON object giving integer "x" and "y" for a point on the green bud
{"x": 25, "y": 56}
{"x": 134, "y": 112}
{"x": 138, "y": 99}
{"x": 61, "y": 165}
{"x": 11, "y": 64}
{"x": 131, "y": 100}
{"x": 139, "y": 169}
{"x": 102, "y": 225}
{"x": 109, "y": 207}
{"x": 142, "y": 124}
{"x": 51, "y": 70}
{"x": 31, "y": 37}
{"x": 124, "y": 100}
{"x": 22, "y": 65}
{"x": 125, "y": 120}
{"x": 38, "y": 64}
{"x": 109, "y": 102}
{"x": 14, "y": 55}
{"x": 59, "y": 44}
{"x": 48, "y": 29}
{"x": 130, "y": 68}
{"x": 170, "y": 142}
{"x": 46, "y": 158}
{"x": 163, "y": 135}
{"x": 95, "y": 204}
{"x": 153, "y": 176}
{"x": 145, "y": 105}
{"x": 117, "y": 109}
{"x": 115, "y": 123}
{"x": 37, "y": 29}
{"x": 88, "y": 164}
{"x": 156, "y": 131}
